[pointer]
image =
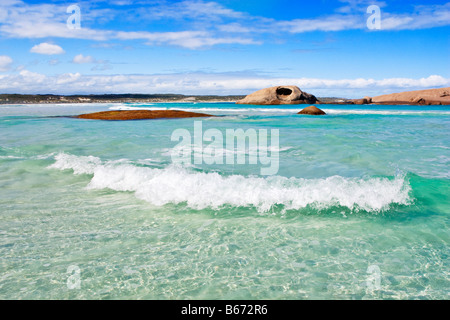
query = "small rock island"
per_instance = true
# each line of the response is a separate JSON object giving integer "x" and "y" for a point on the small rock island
{"x": 122, "y": 115}
{"x": 313, "y": 111}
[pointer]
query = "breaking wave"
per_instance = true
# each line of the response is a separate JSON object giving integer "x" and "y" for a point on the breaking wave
{"x": 200, "y": 190}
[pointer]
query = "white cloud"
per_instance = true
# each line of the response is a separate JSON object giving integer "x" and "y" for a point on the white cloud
{"x": 190, "y": 9}
{"x": 22, "y": 20}
{"x": 47, "y": 48}
{"x": 5, "y": 63}
{"x": 424, "y": 17}
{"x": 352, "y": 17}
{"x": 204, "y": 23}
{"x": 48, "y": 21}
{"x": 234, "y": 28}
{"x": 80, "y": 59}
{"x": 122, "y": 2}
{"x": 53, "y": 62}
{"x": 185, "y": 39}
{"x": 204, "y": 83}
{"x": 352, "y": 6}
{"x": 331, "y": 23}
{"x": 33, "y": 77}
{"x": 67, "y": 78}
{"x": 100, "y": 65}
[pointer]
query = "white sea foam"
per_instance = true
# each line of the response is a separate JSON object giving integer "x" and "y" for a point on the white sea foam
{"x": 10, "y": 157}
{"x": 287, "y": 110}
{"x": 385, "y": 112}
{"x": 200, "y": 190}
{"x": 79, "y": 165}
{"x": 210, "y": 109}
{"x": 222, "y": 152}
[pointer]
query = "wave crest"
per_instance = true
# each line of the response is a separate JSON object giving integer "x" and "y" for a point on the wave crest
{"x": 201, "y": 190}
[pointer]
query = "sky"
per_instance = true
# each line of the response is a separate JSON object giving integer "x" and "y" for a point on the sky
{"x": 330, "y": 48}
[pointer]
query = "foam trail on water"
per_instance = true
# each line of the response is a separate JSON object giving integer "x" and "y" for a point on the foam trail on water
{"x": 386, "y": 112}
{"x": 288, "y": 110}
{"x": 209, "y": 109}
{"x": 200, "y": 190}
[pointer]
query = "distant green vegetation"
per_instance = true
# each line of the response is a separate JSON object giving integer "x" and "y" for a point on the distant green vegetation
{"x": 118, "y": 98}
{"x": 94, "y": 98}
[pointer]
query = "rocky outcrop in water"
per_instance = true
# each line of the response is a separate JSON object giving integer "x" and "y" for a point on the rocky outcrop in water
{"x": 312, "y": 110}
{"x": 141, "y": 115}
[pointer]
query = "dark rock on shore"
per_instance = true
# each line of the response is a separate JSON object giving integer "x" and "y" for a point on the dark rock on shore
{"x": 365, "y": 100}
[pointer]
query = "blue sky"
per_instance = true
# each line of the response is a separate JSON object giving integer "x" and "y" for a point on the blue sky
{"x": 224, "y": 47}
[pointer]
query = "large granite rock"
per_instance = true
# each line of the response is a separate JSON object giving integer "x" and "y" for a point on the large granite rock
{"x": 421, "y": 97}
{"x": 279, "y": 95}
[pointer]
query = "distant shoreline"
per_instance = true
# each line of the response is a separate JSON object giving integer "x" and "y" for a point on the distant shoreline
{"x": 111, "y": 98}
{"x": 132, "y": 98}
{"x": 18, "y": 99}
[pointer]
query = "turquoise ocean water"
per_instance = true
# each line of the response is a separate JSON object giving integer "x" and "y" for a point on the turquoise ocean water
{"x": 359, "y": 209}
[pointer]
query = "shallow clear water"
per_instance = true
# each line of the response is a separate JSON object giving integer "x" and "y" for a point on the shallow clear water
{"x": 359, "y": 208}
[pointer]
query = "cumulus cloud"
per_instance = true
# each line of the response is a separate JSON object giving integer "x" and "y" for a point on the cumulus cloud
{"x": 81, "y": 59}
{"x": 67, "y": 78}
{"x": 47, "y": 49}
{"x": 212, "y": 83}
{"x": 5, "y": 63}
{"x": 32, "y": 77}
